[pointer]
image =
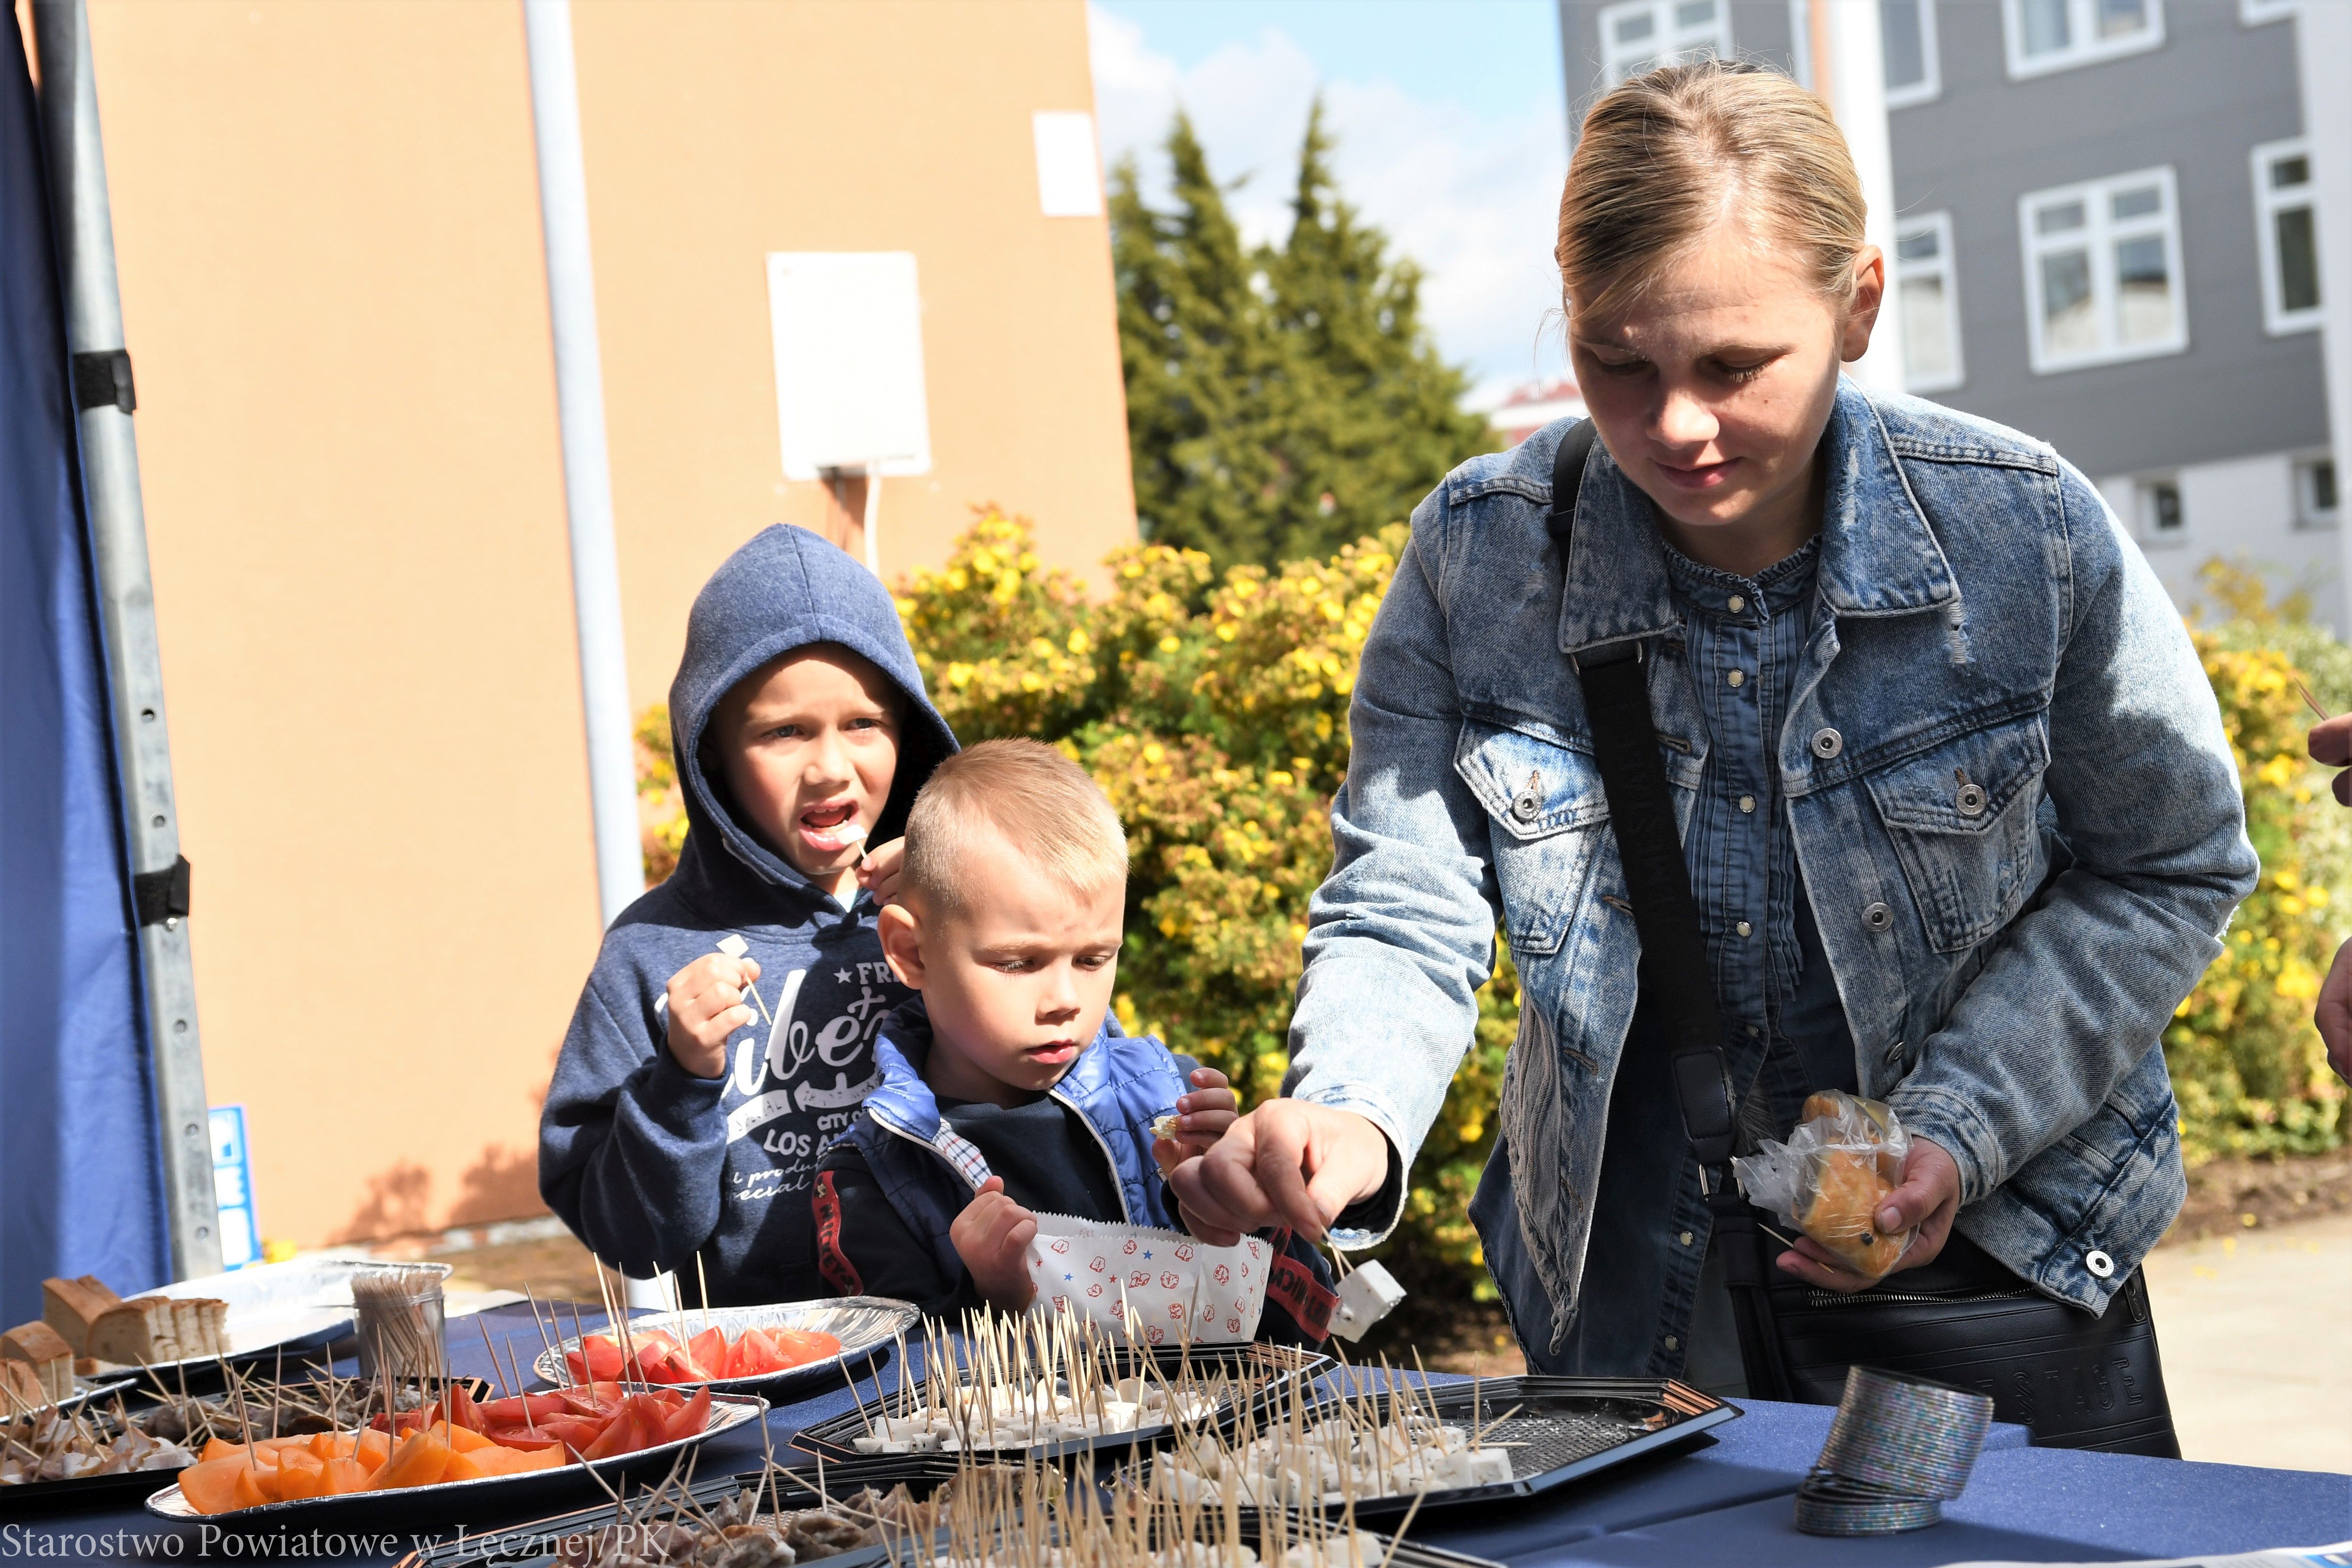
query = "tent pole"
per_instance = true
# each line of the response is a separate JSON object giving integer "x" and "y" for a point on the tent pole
{"x": 587, "y": 473}
{"x": 118, "y": 523}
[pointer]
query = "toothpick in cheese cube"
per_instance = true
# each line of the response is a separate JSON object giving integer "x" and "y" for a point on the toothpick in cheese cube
{"x": 1368, "y": 1294}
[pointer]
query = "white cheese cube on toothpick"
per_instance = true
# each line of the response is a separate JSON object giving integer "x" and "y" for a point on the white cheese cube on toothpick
{"x": 1366, "y": 1296}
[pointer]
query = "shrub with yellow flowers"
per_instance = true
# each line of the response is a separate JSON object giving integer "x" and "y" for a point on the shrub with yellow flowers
{"x": 2247, "y": 1065}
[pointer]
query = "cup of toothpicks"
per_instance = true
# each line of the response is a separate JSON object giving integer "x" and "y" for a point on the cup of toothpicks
{"x": 401, "y": 1325}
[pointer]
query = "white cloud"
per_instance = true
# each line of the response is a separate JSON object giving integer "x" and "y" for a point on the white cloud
{"x": 1471, "y": 198}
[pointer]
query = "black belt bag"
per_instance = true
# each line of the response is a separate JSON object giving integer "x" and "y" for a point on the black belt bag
{"x": 2076, "y": 1379}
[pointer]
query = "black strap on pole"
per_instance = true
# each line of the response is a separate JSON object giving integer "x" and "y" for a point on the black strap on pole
{"x": 1675, "y": 980}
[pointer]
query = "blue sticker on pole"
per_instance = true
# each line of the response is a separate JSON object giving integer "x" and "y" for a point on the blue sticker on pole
{"x": 240, "y": 1228}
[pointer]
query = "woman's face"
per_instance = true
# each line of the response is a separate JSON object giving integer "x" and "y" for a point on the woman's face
{"x": 1712, "y": 389}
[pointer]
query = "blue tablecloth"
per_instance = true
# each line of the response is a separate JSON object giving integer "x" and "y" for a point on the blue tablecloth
{"x": 1726, "y": 1503}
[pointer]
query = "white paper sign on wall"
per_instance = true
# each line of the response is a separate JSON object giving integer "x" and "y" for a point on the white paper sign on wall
{"x": 1069, "y": 175}
{"x": 848, "y": 329}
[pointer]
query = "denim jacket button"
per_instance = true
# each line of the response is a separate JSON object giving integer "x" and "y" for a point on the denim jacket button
{"x": 2099, "y": 1263}
{"x": 1877, "y": 916}
{"x": 1827, "y": 743}
{"x": 1971, "y": 801}
{"x": 1895, "y": 1054}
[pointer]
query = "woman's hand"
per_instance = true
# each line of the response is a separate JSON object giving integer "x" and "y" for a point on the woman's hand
{"x": 991, "y": 1236}
{"x": 1929, "y": 1198}
{"x": 1287, "y": 1163}
{"x": 2331, "y": 745}
{"x": 1202, "y": 1118}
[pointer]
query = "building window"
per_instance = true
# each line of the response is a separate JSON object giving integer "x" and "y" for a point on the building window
{"x": 1928, "y": 297}
{"x": 1646, "y": 34}
{"x": 2254, "y": 13}
{"x": 2287, "y": 230}
{"x": 2103, "y": 271}
{"x": 1907, "y": 31}
{"x": 2315, "y": 502}
{"x": 2160, "y": 521}
{"x": 2059, "y": 34}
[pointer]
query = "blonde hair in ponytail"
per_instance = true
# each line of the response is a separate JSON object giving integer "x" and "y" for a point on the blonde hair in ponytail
{"x": 1665, "y": 157}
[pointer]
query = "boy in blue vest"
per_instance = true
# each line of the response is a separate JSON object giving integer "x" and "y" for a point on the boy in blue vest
{"x": 1007, "y": 1086}
{"x": 726, "y": 1034}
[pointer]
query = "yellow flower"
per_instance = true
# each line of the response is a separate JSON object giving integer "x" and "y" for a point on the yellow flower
{"x": 1168, "y": 644}
{"x": 1079, "y": 643}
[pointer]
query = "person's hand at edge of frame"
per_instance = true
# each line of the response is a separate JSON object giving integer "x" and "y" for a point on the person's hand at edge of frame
{"x": 1929, "y": 1198}
{"x": 2331, "y": 747}
{"x": 2333, "y": 1013}
{"x": 1288, "y": 1162}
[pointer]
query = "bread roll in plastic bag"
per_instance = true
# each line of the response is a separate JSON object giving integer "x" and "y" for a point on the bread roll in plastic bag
{"x": 1831, "y": 1176}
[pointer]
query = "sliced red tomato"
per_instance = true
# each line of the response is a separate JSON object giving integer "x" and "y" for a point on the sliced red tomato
{"x": 457, "y": 1406}
{"x": 800, "y": 1346}
{"x": 600, "y": 1362}
{"x": 709, "y": 1349}
{"x": 761, "y": 1356}
{"x": 511, "y": 1411}
{"x": 689, "y": 1419}
{"x": 623, "y": 1435}
{"x": 522, "y": 1437}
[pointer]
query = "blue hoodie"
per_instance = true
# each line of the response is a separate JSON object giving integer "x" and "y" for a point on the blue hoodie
{"x": 649, "y": 1164}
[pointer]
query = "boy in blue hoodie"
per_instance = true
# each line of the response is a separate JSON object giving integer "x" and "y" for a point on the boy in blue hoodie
{"x": 726, "y": 1034}
{"x": 1007, "y": 1086}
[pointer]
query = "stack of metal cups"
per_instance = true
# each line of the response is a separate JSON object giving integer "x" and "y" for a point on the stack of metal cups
{"x": 1898, "y": 1450}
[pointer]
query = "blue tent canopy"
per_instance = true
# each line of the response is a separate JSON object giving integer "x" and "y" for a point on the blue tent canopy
{"x": 80, "y": 1177}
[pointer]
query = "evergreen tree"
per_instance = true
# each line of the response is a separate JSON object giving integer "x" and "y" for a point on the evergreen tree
{"x": 1282, "y": 401}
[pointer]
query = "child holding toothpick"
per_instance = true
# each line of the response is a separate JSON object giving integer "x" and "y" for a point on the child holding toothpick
{"x": 725, "y": 1037}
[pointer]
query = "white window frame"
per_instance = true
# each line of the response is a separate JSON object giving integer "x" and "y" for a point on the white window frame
{"x": 2277, "y": 319}
{"x": 2087, "y": 51}
{"x": 2145, "y": 509}
{"x": 2306, "y": 515}
{"x": 2254, "y": 13}
{"x": 1673, "y": 43}
{"x": 2099, "y": 235}
{"x": 1930, "y": 87}
{"x": 1940, "y": 224}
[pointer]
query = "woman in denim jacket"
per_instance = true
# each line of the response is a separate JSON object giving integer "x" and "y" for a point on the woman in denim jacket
{"x": 1961, "y": 822}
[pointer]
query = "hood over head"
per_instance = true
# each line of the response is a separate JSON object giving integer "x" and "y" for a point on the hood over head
{"x": 785, "y": 589}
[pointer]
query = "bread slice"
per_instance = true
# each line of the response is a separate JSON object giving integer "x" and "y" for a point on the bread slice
{"x": 40, "y": 1347}
{"x": 99, "y": 1286}
{"x": 20, "y": 1388}
{"x": 71, "y": 1306}
{"x": 188, "y": 1325}
{"x": 141, "y": 1332}
{"x": 215, "y": 1319}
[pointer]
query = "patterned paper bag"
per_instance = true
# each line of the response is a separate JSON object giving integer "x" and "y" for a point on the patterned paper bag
{"x": 1158, "y": 1286}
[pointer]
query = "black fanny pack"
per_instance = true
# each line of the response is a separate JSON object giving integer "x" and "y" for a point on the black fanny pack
{"x": 2077, "y": 1379}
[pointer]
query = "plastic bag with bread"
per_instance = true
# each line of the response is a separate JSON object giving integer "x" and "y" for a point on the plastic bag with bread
{"x": 1844, "y": 1156}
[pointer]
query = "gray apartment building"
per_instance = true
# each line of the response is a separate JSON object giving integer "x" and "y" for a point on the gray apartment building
{"x": 2104, "y": 236}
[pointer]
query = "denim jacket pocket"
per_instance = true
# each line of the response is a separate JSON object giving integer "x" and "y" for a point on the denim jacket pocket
{"x": 1544, "y": 809}
{"x": 1962, "y": 817}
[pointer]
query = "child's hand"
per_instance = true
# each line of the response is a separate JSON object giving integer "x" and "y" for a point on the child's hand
{"x": 1202, "y": 1117}
{"x": 877, "y": 873}
{"x": 706, "y": 1008}
{"x": 991, "y": 1236}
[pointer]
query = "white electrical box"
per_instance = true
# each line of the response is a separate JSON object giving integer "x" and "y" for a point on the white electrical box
{"x": 848, "y": 330}
{"x": 1069, "y": 174}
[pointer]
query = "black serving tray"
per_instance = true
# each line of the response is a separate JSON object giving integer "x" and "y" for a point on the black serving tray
{"x": 1269, "y": 1365}
{"x": 1564, "y": 1429}
{"x": 536, "y": 1544}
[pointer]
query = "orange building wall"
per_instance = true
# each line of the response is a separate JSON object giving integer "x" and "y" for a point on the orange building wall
{"x": 719, "y": 133}
{"x": 333, "y": 286}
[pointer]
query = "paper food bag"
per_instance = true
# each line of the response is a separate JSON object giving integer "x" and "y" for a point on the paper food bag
{"x": 1161, "y": 1287}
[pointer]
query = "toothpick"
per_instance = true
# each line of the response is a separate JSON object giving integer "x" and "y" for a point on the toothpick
{"x": 2313, "y": 701}
{"x": 702, "y": 1288}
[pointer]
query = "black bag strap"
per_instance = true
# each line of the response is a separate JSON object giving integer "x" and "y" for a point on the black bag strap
{"x": 1674, "y": 977}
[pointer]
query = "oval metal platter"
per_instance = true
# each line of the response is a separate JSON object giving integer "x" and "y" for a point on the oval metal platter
{"x": 863, "y": 1324}
{"x": 728, "y": 1411}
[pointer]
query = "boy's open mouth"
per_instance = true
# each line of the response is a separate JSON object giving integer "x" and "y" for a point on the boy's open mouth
{"x": 831, "y": 828}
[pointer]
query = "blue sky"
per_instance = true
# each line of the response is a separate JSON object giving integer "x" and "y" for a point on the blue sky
{"x": 1452, "y": 137}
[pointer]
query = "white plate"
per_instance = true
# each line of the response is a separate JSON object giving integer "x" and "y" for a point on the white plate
{"x": 862, "y": 1324}
{"x": 728, "y": 1411}
{"x": 298, "y": 1303}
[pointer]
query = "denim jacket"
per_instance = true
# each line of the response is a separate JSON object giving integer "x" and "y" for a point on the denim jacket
{"x": 2007, "y": 781}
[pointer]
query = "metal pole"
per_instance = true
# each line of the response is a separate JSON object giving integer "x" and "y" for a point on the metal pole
{"x": 118, "y": 523}
{"x": 587, "y": 474}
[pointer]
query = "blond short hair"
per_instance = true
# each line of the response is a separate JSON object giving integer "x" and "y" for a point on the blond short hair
{"x": 1666, "y": 156}
{"x": 1042, "y": 804}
